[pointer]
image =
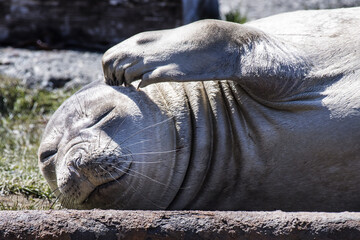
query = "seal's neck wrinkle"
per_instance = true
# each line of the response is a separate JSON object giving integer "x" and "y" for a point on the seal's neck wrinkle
{"x": 199, "y": 146}
{"x": 213, "y": 127}
{"x": 271, "y": 69}
{"x": 173, "y": 141}
{"x": 223, "y": 144}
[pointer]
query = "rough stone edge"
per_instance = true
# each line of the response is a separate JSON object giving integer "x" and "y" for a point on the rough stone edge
{"x": 111, "y": 224}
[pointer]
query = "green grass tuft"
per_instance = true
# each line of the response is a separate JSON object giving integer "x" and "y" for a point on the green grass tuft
{"x": 24, "y": 113}
{"x": 235, "y": 16}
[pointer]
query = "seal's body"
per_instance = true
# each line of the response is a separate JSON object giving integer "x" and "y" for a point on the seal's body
{"x": 282, "y": 133}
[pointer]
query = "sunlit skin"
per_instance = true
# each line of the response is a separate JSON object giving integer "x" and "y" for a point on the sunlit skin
{"x": 280, "y": 132}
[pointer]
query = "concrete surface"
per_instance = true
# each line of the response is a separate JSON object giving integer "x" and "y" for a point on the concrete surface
{"x": 111, "y": 224}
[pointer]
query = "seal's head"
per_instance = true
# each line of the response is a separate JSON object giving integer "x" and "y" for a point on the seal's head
{"x": 100, "y": 147}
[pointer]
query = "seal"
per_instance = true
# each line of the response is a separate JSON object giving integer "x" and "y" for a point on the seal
{"x": 282, "y": 132}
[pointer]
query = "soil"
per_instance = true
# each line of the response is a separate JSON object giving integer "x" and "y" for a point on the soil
{"x": 18, "y": 202}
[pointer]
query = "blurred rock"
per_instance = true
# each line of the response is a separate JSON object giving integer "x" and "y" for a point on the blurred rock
{"x": 254, "y": 9}
{"x": 98, "y": 25}
{"x": 51, "y": 69}
{"x": 82, "y": 23}
{"x": 194, "y": 10}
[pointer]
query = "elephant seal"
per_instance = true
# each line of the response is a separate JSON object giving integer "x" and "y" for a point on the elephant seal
{"x": 282, "y": 132}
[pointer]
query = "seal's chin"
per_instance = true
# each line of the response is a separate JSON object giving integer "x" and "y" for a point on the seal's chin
{"x": 89, "y": 176}
{"x": 99, "y": 196}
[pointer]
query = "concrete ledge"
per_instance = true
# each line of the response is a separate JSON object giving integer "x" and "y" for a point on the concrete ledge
{"x": 111, "y": 224}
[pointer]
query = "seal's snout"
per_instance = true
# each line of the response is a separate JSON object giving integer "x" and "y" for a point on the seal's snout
{"x": 84, "y": 172}
{"x": 72, "y": 185}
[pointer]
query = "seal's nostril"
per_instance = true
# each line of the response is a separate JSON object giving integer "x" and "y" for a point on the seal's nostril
{"x": 72, "y": 169}
{"x": 77, "y": 161}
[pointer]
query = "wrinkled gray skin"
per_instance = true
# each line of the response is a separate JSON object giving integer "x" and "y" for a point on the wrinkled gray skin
{"x": 282, "y": 132}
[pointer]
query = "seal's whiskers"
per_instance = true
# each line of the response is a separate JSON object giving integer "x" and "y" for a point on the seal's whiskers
{"x": 109, "y": 173}
{"x": 58, "y": 198}
{"x": 144, "y": 197}
{"x": 99, "y": 138}
{"x": 149, "y": 153}
{"x": 114, "y": 134}
{"x": 143, "y": 141}
{"x": 81, "y": 109}
{"x": 142, "y": 175}
{"x": 145, "y": 128}
{"x": 129, "y": 185}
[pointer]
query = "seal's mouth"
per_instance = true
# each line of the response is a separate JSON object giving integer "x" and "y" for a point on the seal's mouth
{"x": 99, "y": 189}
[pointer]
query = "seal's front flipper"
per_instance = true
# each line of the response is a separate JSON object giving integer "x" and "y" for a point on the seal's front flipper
{"x": 204, "y": 51}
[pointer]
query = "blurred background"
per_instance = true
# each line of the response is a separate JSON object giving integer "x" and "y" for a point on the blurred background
{"x": 97, "y": 25}
{"x": 50, "y": 48}
{"x": 90, "y": 27}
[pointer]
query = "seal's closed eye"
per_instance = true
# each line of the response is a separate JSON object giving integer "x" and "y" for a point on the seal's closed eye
{"x": 102, "y": 116}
